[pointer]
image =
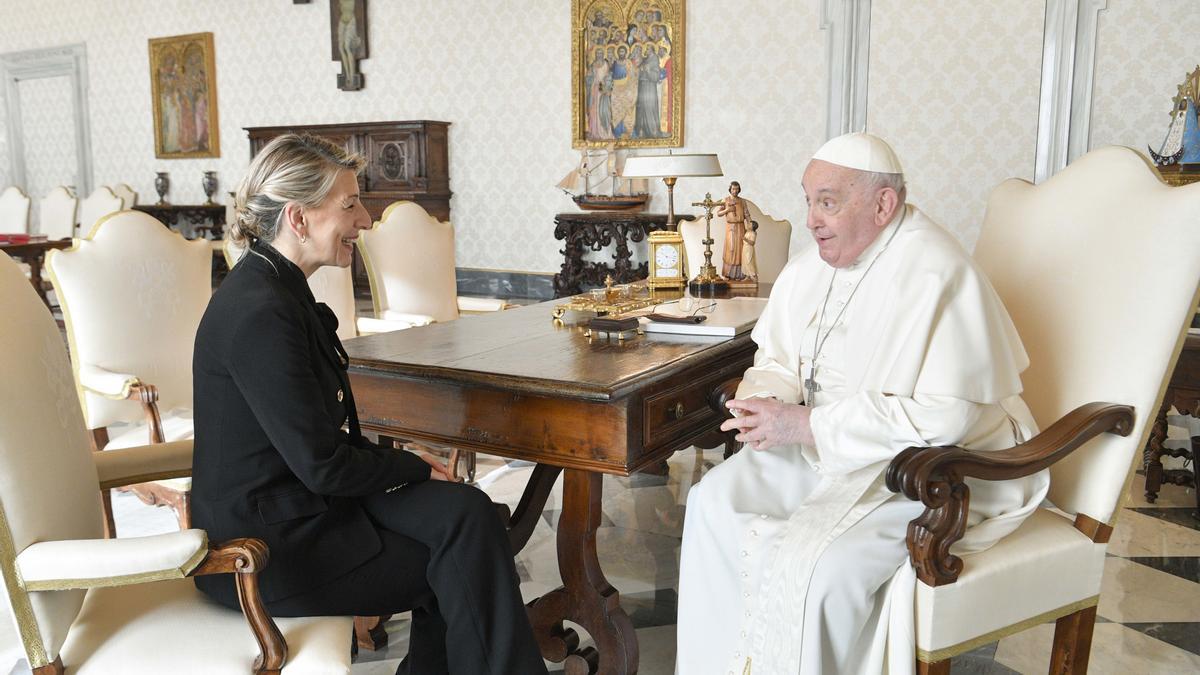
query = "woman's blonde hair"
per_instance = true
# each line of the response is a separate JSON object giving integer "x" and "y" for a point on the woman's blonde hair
{"x": 298, "y": 168}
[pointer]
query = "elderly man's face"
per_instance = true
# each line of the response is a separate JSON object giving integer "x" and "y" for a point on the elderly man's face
{"x": 844, "y": 211}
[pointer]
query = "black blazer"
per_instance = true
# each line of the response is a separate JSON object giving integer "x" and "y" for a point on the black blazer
{"x": 271, "y": 459}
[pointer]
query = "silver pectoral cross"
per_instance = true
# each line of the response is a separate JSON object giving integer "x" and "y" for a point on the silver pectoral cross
{"x": 810, "y": 385}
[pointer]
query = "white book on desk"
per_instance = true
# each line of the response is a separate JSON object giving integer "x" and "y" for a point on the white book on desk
{"x": 731, "y": 316}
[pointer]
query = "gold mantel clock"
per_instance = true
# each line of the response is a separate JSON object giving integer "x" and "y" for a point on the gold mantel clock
{"x": 668, "y": 264}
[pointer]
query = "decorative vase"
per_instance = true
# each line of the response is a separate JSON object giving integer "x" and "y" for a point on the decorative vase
{"x": 209, "y": 183}
{"x": 161, "y": 185}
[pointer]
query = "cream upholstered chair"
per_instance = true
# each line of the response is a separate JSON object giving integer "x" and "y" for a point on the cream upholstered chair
{"x": 56, "y": 219}
{"x": 95, "y": 206}
{"x": 333, "y": 286}
{"x": 770, "y": 248}
{"x": 1102, "y": 310}
{"x": 14, "y": 211}
{"x": 92, "y": 605}
{"x": 132, "y": 294}
{"x": 409, "y": 256}
{"x": 129, "y": 198}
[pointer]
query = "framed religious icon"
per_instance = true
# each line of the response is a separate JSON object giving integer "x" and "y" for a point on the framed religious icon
{"x": 183, "y": 86}
{"x": 627, "y": 73}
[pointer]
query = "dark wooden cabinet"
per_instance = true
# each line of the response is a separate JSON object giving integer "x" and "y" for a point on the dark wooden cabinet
{"x": 405, "y": 161}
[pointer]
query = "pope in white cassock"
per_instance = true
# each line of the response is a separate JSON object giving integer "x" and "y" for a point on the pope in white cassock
{"x": 885, "y": 335}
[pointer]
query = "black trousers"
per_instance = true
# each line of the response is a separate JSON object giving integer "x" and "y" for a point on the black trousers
{"x": 446, "y": 557}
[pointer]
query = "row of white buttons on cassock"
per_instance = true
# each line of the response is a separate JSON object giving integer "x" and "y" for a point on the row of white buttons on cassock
{"x": 746, "y": 595}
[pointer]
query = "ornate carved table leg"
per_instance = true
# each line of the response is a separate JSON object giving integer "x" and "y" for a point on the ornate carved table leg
{"x": 529, "y": 509}
{"x": 622, "y": 267}
{"x": 585, "y": 597}
{"x": 1154, "y": 450}
{"x": 566, "y": 282}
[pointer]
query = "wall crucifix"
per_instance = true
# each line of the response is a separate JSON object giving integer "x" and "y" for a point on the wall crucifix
{"x": 348, "y": 34}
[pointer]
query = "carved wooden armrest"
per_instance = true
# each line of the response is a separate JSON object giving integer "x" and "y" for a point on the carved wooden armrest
{"x": 935, "y": 476}
{"x": 147, "y": 395}
{"x": 722, "y": 394}
{"x": 246, "y": 558}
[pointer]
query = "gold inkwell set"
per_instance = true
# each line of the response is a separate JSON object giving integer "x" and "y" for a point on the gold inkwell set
{"x": 609, "y": 304}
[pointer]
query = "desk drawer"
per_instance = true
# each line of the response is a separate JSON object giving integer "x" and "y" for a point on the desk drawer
{"x": 674, "y": 411}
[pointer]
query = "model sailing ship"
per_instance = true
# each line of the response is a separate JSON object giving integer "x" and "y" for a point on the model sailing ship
{"x": 600, "y": 170}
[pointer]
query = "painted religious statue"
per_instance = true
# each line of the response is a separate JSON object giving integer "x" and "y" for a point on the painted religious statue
{"x": 738, "y": 262}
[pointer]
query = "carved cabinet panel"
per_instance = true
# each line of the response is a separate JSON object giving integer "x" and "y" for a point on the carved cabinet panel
{"x": 405, "y": 161}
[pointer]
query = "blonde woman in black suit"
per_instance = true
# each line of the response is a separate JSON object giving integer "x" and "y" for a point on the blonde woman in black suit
{"x": 353, "y": 528}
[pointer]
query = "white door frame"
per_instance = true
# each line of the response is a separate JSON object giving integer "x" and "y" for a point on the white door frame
{"x": 69, "y": 61}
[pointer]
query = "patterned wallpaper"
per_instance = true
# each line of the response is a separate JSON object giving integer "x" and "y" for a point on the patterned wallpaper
{"x": 49, "y": 138}
{"x": 498, "y": 71}
{"x": 1143, "y": 52}
{"x": 954, "y": 87}
{"x": 953, "y": 84}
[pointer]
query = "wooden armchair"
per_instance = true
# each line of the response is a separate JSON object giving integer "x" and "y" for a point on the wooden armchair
{"x": 14, "y": 211}
{"x": 95, "y": 206}
{"x": 129, "y": 198}
{"x": 94, "y": 605}
{"x": 56, "y": 218}
{"x": 132, "y": 294}
{"x": 409, "y": 256}
{"x": 1097, "y": 267}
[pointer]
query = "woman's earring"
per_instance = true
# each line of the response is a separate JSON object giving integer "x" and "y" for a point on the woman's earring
{"x": 304, "y": 239}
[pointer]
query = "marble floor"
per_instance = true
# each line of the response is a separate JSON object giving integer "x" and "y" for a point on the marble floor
{"x": 1149, "y": 609}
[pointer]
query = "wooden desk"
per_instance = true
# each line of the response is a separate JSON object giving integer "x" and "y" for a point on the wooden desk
{"x": 34, "y": 253}
{"x": 518, "y": 385}
{"x": 1183, "y": 392}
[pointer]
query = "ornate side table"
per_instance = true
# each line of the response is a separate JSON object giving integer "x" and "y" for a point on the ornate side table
{"x": 202, "y": 217}
{"x": 1183, "y": 391}
{"x": 594, "y": 231}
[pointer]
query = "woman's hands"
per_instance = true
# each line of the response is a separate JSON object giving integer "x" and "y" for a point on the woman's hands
{"x": 766, "y": 422}
{"x": 437, "y": 470}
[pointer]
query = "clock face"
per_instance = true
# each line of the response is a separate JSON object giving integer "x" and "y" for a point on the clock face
{"x": 666, "y": 257}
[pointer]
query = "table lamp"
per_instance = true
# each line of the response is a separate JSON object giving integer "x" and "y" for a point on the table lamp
{"x": 670, "y": 167}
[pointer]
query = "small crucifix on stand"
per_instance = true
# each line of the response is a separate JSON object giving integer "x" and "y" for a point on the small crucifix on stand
{"x": 348, "y": 32}
{"x": 707, "y": 281}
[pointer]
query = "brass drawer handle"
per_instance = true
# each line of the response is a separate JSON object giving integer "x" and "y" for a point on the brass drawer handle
{"x": 678, "y": 411}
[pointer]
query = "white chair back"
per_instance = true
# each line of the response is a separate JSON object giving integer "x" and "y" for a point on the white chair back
{"x": 14, "y": 211}
{"x": 47, "y": 478}
{"x": 100, "y": 203}
{"x": 1098, "y": 267}
{"x": 409, "y": 256}
{"x": 132, "y": 295}
{"x": 770, "y": 247}
{"x": 56, "y": 219}
{"x": 232, "y": 252}
{"x": 334, "y": 286}
{"x": 129, "y": 198}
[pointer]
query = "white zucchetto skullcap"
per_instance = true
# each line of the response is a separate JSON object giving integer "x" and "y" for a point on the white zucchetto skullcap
{"x": 862, "y": 151}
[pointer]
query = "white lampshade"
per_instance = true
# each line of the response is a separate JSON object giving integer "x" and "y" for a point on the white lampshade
{"x": 665, "y": 166}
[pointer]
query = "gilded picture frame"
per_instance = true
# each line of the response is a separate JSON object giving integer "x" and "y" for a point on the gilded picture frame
{"x": 183, "y": 88}
{"x": 627, "y": 73}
